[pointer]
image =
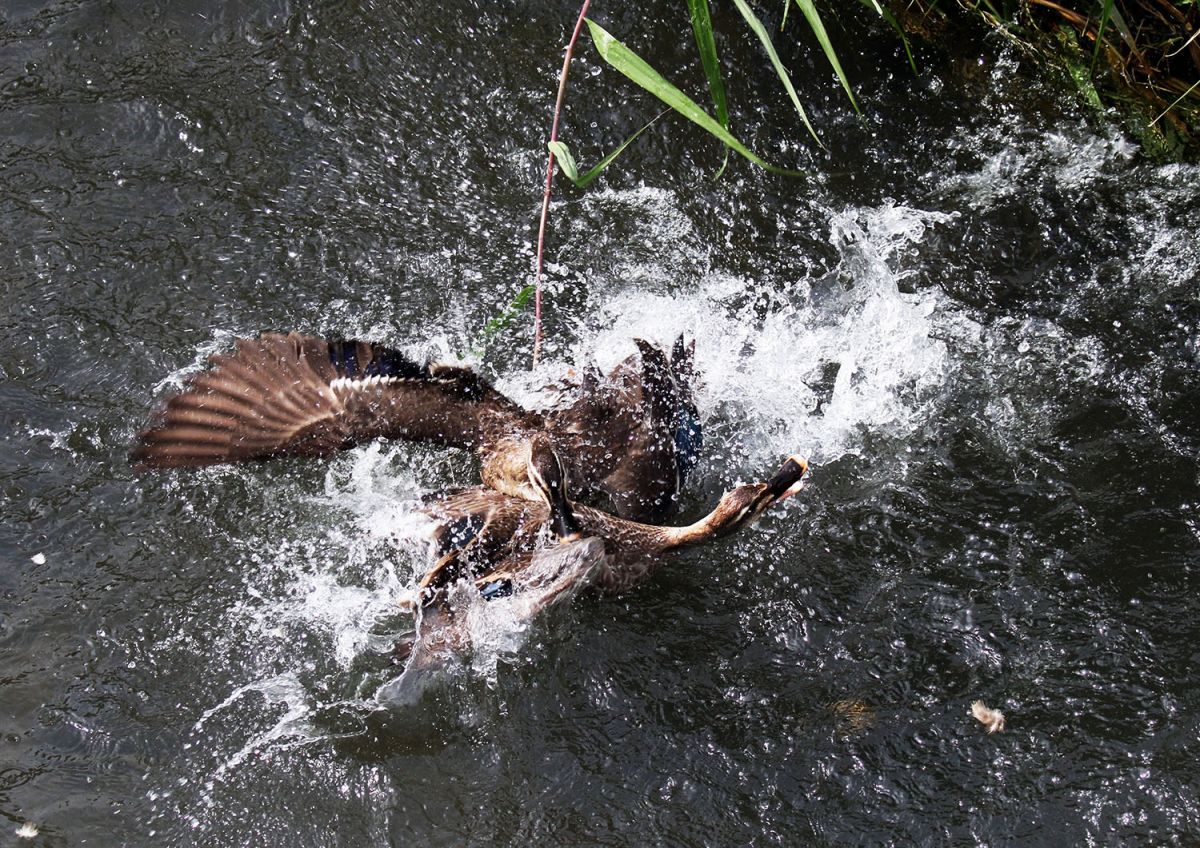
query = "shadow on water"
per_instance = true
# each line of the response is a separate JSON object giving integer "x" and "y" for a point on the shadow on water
{"x": 978, "y": 318}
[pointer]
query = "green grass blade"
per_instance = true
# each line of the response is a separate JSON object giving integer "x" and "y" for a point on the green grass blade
{"x": 1123, "y": 28}
{"x": 1105, "y": 11}
{"x": 814, "y": 22}
{"x": 707, "y": 47}
{"x": 635, "y": 68}
{"x": 761, "y": 31}
{"x": 502, "y": 320}
{"x": 895, "y": 25}
{"x": 786, "y": 5}
{"x": 566, "y": 161}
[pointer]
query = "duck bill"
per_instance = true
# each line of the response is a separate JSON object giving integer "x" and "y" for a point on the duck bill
{"x": 562, "y": 521}
{"x": 789, "y": 479}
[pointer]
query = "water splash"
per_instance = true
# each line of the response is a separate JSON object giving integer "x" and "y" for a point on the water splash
{"x": 813, "y": 365}
{"x": 1073, "y": 162}
{"x": 293, "y": 725}
{"x": 765, "y": 376}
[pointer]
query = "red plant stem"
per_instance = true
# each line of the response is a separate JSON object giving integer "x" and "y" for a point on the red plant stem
{"x": 537, "y": 279}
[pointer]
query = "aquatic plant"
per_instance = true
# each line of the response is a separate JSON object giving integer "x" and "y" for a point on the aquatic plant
{"x": 1140, "y": 57}
{"x": 541, "y": 245}
{"x": 632, "y": 66}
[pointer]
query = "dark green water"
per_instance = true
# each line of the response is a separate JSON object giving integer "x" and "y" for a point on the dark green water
{"x": 980, "y": 317}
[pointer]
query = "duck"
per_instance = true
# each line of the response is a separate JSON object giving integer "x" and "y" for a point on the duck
{"x": 486, "y": 536}
{"x": 475, "y": 527}
{"x": 630, "y": 437}
{"x": 492, "y": 546}
{"x": 537, "y": 573}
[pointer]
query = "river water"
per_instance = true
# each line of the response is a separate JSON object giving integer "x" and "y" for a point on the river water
{"x": 978, "y": 315}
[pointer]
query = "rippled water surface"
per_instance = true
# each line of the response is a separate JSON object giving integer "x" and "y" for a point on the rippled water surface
{"x": 979, "y": 315}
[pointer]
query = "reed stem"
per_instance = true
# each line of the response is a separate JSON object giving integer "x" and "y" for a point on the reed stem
{"x": 541, "y": 246}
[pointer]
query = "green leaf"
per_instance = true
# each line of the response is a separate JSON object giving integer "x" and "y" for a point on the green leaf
{"x": 1105, "y": 11}
{"x": 707, "y": 46}
{"x": 1077, "y": 70}
{"x": 566, "y": 161}
{"x": 761, "y": 31}
{"x": 1123, "y": 28}
{"x": 635, "y": 68}
{"x": 502, "y": 320}
{"x": 570, "y": 170}
{"x": 895, "y": 25}
{"x": 814, "y": 21}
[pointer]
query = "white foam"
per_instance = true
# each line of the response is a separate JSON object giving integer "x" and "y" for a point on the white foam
{"x": 1075, "y": 162}
{"x": 759, "y": 369}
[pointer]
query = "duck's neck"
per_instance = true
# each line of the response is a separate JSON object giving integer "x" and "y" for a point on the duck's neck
{"x": 720, "y": 522}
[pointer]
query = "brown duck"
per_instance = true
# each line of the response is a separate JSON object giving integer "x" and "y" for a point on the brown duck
{"x": 489, "y": 537}
{"x": 490, "y": 546}
{"x": 632, "y": 435}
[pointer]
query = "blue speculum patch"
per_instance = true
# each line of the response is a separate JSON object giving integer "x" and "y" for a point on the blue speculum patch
{"x": 689, "y": 440}
{"x": 344, "y": 359}
{"x": 464, "y": 530}
{"x": 392, "y": 363}
{"x": 385, "y": 362}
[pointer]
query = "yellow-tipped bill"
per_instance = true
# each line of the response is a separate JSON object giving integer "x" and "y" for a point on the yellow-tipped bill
{"x": 789, "y": 479}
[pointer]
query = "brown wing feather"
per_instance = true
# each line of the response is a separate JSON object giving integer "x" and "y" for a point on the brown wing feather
{"x": 299, "y": 395}
{"x": 633, "y": 408}
{"x": 476, "y": 529}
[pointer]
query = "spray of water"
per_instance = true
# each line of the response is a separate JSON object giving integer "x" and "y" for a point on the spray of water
{"x": 827, "y": 362}
{"x": 829, "y": 359}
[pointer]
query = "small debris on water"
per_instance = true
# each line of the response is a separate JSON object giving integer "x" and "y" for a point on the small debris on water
{"x": 853, "y": 715}
{"x": 38, "y": 559}
{"x": 993, "y": 720}
{"x": 28, "y": 830}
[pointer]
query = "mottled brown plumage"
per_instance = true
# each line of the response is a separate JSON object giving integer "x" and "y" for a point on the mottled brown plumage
{"x": 589, "y": 548}
{"x": 632, "y": 550}
{"x": 630, "y": 435}
{"x": 505, "y": 528}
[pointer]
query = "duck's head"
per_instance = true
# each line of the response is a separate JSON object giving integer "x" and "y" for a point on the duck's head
{"x": 548, "y": 477}
{"x": 742, "y": 506}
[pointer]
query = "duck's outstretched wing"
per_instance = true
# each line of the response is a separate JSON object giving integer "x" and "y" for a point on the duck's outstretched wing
{"x": 281, "y": 395}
